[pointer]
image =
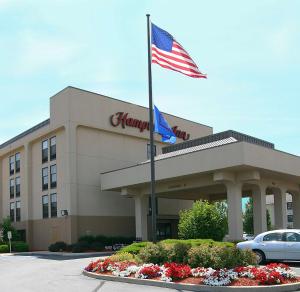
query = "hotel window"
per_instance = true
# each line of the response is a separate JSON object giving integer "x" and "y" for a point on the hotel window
{"x": 53, "y": 148}
{"x": 18, "y": 161}
{"x": 289, "y": 205}
{"x": 12, "y": 212}
{"x": 53, "y": 177}
{"x": 11, "y": 165}
{"x": 53, "y": 205}
{"x": 18, "y": 187}
{"x": 11, "y": 188}
{"x": 45, "y": 151}
{"x": 18, "y": 211}
{"x": 290, "y": 218}
{"x": 45, "y": 178}
{"x": 45, "y": 204}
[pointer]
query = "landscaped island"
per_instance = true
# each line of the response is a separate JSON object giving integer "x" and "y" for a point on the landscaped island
{"x": 198, "y": 262}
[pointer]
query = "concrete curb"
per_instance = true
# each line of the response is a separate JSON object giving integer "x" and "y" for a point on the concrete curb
{"x": 192, "y": 287}
{"x": 64, "y": 254}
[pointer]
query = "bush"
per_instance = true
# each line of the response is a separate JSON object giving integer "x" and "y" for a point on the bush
{"x": 81, "y": 246}
{"x": 4, "y": 248}
{"x": 198, "y": 242}
{"x": 87, "y": 238}
{"x": 153, "y": 253}
{"x": 19, "y": 246}
{"x": 123, "y": 256}
{"x": 203, "y": 220}
{"x": 134, "y": 248}
{"x": 58, "y": 246}
{"x": 97, "y": 246}
{"x": 219, "y": 257}
{"x": 178, "y": 252}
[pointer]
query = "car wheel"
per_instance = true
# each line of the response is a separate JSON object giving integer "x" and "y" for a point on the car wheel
{"x": 260, "y": 256}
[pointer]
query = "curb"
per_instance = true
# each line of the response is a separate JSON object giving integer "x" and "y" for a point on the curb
{"x": 193, "y": 287}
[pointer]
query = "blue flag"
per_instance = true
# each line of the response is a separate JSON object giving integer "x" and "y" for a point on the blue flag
{"x": 162, "y": 127}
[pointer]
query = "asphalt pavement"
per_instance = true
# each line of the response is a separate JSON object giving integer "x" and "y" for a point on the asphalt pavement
{"x": 47, "y": 273}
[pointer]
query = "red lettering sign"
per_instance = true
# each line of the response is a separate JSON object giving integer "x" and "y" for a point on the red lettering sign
{"x": 123, "y": 119}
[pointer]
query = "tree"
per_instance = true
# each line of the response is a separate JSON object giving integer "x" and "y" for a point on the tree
{"x": 6, "y": 226}
{"x": 248, "y": 218}
{"x": 203, "y": 220}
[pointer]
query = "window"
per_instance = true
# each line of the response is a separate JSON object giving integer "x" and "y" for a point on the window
{"x": 53, "y": 148}
{"x": 11, "y": 165}
{"x": 12, "y": 188}
{"x": 45, "y": 178}
{"x": 12, "y": 212}
{"x": 53, "y": 176}
{"x": 289, "y": 205}
{"x": 18, "y": 187}
{"x": 45, "y": 151}
{"x": 148, "y": 151}
{"x": 18, "y": 211}
{"x": 18, "y": 161}
{"x": 53, "y": 206}
{"x": 291, "y": 237}
{"x": 45, "y": 205}
{"x": 273, "y": 237}
{"x": 290, "y": 218}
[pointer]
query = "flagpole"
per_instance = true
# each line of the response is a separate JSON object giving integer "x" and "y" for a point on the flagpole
{"x": 153, "y": 200}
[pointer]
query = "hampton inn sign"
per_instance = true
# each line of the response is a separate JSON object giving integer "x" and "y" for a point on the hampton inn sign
{"x": 122, "y": 119}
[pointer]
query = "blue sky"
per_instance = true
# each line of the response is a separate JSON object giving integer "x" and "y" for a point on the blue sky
{"x": 249, "y": 50}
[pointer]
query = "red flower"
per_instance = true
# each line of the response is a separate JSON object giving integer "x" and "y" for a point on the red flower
{"x": 177, "y": 271}
{"x": 150, "y": 271}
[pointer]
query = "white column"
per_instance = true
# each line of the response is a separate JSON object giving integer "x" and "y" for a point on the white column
{"x": 141, "y": 212}
{"x": 259, "y": 210}
{"x": 296, "y": 210}
{"x": 235, "y": 216}
{"x": 280, "y": 209}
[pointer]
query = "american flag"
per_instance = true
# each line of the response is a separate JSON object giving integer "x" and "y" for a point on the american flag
{"x": 168, "y": 53}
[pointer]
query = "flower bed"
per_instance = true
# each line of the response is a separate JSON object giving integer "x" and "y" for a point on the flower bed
{"x": 272, "y": 274}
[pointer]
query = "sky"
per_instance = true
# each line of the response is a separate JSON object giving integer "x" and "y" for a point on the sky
{"x": 248, "y": 49}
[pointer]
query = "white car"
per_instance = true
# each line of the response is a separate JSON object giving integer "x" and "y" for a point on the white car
{"x": 281, "y": 244}
{"x": 248, "y": 236}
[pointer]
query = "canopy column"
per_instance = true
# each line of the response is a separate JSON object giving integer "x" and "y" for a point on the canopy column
{"x": 141, "y": 214}
{"x": 235, "y": 215}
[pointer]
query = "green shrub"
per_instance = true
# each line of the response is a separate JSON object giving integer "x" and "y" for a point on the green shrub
{"x": 153, "y": 253}
{"x": 203, "y": 220}
{"x": 87, "y": 238}
{"x": 178, "y": 252}
{"x": 198, "y": 242}
{"x": 4, "y": 248}
{"x": 19, "y": 246}
{"x": 134, "y": 248}
{"x": 219, "y": 257}
{"x": 97, "y": 246}
{"x": 58, "y": 246}
{"x": 81, "y": 246}
{"x": 123, "y": 256}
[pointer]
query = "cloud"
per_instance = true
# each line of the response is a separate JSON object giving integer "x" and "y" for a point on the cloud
{"x": 38, "y": 52}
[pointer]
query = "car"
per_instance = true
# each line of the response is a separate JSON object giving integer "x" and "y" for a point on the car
{"x": 276, "y": 245}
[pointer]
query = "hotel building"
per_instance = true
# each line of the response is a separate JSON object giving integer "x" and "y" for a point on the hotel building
{"x": 85, "y": 170}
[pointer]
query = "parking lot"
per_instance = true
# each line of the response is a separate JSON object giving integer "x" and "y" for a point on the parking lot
{"x": 28, "y": 273}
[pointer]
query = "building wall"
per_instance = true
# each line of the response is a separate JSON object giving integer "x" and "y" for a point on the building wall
{"x": 86, "y": 145}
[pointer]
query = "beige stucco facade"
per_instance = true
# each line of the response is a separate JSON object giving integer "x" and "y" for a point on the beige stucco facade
{"x": 92, "y": 137}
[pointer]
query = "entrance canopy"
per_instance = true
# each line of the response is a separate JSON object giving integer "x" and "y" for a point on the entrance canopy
{"x": 227, "y": 165}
